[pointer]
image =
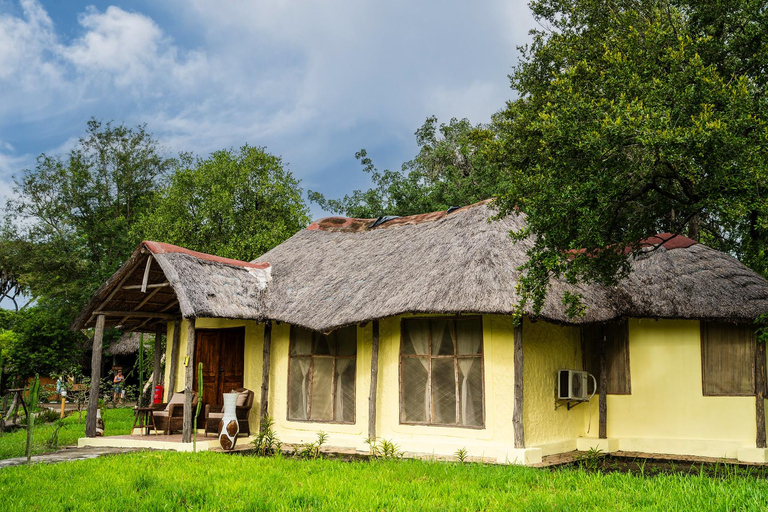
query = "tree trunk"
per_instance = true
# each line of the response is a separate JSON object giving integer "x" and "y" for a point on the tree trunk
{"x": 265, "y": 362}
{"x": 93, "y": 397}
{"x": 517, "y": 415}
{"x": 189, "y": 376}
{"x": 374, "y": 383}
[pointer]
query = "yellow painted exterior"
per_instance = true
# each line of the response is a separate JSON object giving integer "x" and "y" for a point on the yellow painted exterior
{"x": 548, "y": 348}
{"x": 666, "y": 412}
{"x": 252, "y": 361}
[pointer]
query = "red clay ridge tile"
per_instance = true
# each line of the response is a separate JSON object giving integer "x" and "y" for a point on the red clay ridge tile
{"x": 161, "y": 248}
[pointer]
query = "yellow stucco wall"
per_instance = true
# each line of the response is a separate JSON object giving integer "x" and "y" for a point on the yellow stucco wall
{"x": 252, "y": 361}
{"x": 548, "y": 348}
{"x": 495, "y": 440}
{"x": 667, "y": 412}
{"x": 339, "y": 435}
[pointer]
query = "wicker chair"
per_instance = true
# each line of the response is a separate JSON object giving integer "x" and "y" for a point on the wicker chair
{"x": 170, "y": 416}
{"x": 214, "y": 413}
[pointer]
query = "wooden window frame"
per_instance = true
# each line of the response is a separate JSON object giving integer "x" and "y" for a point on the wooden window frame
{"x": 480, "y": 355}
{"x": 311, "y": 356}
{"x": 623, "y": 325}
{"x": 703, "y": 339}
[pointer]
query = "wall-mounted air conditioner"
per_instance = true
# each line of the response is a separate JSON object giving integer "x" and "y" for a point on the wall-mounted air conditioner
{"x": 572, "y": 385}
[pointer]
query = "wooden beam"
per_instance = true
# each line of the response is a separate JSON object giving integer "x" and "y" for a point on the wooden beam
{"x": 145, "y": 281}
{"x": 760, "y": 393}
{"x": 174, "y": 362}
{"x": 374, "y": 382}
{"x": 189, "y": 376}
{"x": 603, "y": 392}
{"x": 117, "y": 288}
{"x": 160, "y": 329}
{"x": 169, "y": 306}
{"x": 265, "y": 362}
{"x": 149, "y": 286}
{"x": 93, "y": 396}
{"x": 137, "y": 314}
{"x": 517, "y": 414}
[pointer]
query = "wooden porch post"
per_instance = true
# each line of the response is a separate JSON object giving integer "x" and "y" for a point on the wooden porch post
{"x": 156, "y": 376}
{"x": 517, "y": 415}
{"x": 760, "y": 393}
{"x": 174, "y": 362}
{"x": 602, "y": 388}
{"x": 189, "y": 376}
{"x": 265, "y": 360}
{"x": 374, "y": 382}
{"x": 93, "y": 396}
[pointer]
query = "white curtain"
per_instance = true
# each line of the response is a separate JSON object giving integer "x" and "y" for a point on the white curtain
{"x": 341, "y": 367}
{"x": 418, "y": 333}
{"x": 304, "y": 364}
{"x": 467, "y": 342}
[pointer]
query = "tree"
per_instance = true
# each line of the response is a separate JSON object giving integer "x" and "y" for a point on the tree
{"x": 69, "y": 226}
{"x": 232, "y": 204}
{"x": 452, "y": 168}
{"x": 39, "y": 341}
{"x": 636, "y": 117}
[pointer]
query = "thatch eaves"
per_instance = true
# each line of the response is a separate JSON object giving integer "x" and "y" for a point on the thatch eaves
{"x": 179, "y": 283}
{"x": 340, "y": 272}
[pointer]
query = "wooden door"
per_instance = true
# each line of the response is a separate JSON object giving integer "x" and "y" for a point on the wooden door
{"x": 222, "y": 353}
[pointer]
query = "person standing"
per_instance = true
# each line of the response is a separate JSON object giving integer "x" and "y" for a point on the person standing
{"x": 117, "y": 384}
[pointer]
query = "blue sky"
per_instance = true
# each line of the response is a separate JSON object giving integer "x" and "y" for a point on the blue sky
{"x": 313, "y": 81}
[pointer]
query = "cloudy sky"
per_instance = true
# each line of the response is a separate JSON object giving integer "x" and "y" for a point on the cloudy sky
{"x": 313, "y": 81}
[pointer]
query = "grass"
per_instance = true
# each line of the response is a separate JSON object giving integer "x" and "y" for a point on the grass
{"x": 13, "y": 443}
{"x": 215, "y": 481}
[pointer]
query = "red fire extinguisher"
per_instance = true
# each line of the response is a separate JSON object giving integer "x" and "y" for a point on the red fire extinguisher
{"x": 158, "y": 396}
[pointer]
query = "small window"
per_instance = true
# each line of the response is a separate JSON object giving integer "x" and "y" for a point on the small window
{"x": 441, "y": 371}
{"x": 615, "y": 338}
{"x": 727, "y": 359}
{"x": 321, "y": 375}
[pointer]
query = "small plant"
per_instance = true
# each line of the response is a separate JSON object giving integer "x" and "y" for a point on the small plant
{"x": 383, "y": 449}
{"x": 461, "y": 455}
{"x": 53, "y": 441}
{"x": 267, "y": 442}
{"x": 590, "y": 460}
{"x": 312, "y": 450}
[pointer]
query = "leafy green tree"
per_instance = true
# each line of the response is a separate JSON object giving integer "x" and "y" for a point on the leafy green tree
{"x": 637, "y": 117}
{"x": 452, "y": 168}
{"x": 236, "y": 204}
{"x": 69, "y": 226}
{"x": 39, "y": 341}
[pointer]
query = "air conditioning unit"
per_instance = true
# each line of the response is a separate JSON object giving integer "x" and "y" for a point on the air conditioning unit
{"x": 572, "y": 385}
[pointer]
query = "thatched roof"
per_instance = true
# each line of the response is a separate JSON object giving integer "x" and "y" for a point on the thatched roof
{"x": 128, "y": 343}
{"x": 180, "y": 283}
{"x": 342, "y": 271}
{"x": 687, "y": 280}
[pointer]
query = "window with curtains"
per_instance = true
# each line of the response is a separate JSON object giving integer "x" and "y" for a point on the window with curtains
{"x": 441, "y": 371}
{"x": 321, "y": 375}
{"x": 727, "y": 359}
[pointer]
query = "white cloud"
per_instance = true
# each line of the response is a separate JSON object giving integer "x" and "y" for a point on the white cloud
{"x": 132, "y": 49}
{"x": 313, "y": 81}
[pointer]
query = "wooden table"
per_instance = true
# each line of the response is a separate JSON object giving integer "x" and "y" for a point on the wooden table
{"x": 144, "y": 418}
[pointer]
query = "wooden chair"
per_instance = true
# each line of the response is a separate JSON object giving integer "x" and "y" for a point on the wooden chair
{"x": 214, "y": 413}
{"x": 170, "y": 416}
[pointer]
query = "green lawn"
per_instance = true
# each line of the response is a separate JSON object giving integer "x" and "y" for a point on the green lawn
{"x": 214, "y": 481}
{"x": 13, "y": 443}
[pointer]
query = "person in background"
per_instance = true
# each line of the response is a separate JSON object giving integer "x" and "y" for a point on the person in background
{"x": 117, "y": 384}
